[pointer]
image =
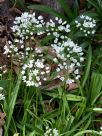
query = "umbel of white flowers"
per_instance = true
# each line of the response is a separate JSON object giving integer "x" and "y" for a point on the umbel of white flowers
{"x": 51, "y": 132}
{"x": 86, "y": 25}
{"x": 69, "y": 55}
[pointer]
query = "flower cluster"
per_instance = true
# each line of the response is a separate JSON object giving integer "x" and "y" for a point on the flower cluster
{"x": 70, "y": 58}
{"x": 57, "y": 28}
{"x": 25, "y": 27}
{"x": 86, "y": 24}
{"x": 51, "y": 132}
{"x": 16, "y": 51}
{"x": 28, "y": 25}
{"x": 10, "y": 48}
{"x": 35, "y": 69}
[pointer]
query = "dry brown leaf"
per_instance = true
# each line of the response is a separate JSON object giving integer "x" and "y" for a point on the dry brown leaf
{"x": 16, "y": 69}
{"x": 49, "y": 106}
{"x": 3, "y": 41}
{"x": 16, "y": 66}
{"x": 1, "y": 1}
{"x": 36, "y": 0}
{"x": 29, "y": 1}
{"x": 2, "y": 116}
{"x": 13, "y": 9}
{"x": 3, "y": 59}
{"x": 3, "y": 29}
{"x": 82, "y": 4}
{"x": 54, "y": 84}
{"x": 72, "y": 86}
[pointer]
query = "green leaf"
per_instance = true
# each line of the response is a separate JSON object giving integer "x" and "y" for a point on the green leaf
{"x": 36, "y": 131}
{"x": 70, "y": 133}
{"x": 95, "y": 87}
{"x": 80, "y": 110}
{"x": 71, "y": 97}
{"x": 97, "y": 6}
{"x": 48, "y": 10}
{"x": 88, "y": 66}
{"x": 12, "y": 104}
{"x": 49, "y": 115}
{"x": 66, "y": 7}
{"x": 76, "y": 9}
{"x": 47, "y": 39}
{"x": 19, "y": 4}
{"x": 5, "y": 84}
{"x": 87, "y": 132}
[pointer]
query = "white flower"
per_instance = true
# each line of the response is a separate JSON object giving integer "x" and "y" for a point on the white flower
{"x": 55, "y": 60}
{"x": 61, "y": 28}
{"x": 60, "y": 21}
{"x": 77, "y": 77}
{"x": 40, "y": 17}
{"x": 37, "y": 78}
{"x": 38, "y": 50}
{"x": 58, "y": 69}
{"x": 76, "y": 71}
{"x": 65, "y": 52}
{"x": 69, "y": 81}
{"x": 2, "y": 97}
{"x": 30, "y": 65}
{"x": 55, "y": 132}
{"x": 81, "y": 59}
{"x": 24, "y": 78}
{"x": 51, "y": 132}
{"x": 62, "y": 78}
{"x": 23, "y": 72}
{"x": 55, "y": 34}
{"x": 39, "y": 64}
{"x": 15, "y": 49}
{"x": 42, "y": 73}
{"x": 16, "y": 41}
{"x": 47, "y": 68}
{"x": 44, "y": 79}
{"x": 86, "y": 24}
{"x": 35, "y": 72}
{"x": 7, "y": 50}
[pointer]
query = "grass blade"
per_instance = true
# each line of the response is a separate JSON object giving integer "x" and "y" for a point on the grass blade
{"x": 12, "y": 104}
{"x": 95, "y": 86}
{"x": 88, "y": 66}
{"x": 67, "y": 9}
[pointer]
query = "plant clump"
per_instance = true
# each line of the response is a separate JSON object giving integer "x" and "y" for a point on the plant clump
{"x": 34, "y": 62}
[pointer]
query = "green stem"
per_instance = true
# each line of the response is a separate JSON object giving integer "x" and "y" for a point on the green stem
{"x": 87, "y": 131}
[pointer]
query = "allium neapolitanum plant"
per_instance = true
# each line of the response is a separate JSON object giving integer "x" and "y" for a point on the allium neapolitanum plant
{"x": 50, "y": 89}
